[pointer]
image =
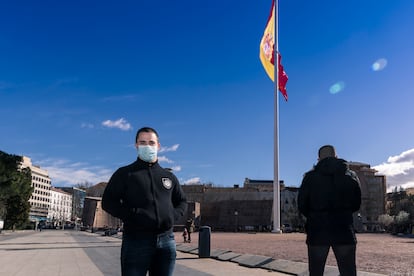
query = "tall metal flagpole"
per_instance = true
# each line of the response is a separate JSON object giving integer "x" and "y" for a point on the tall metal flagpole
{"x": 276, "y": 187}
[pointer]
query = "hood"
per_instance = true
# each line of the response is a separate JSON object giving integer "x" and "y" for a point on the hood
{"x": 331, "y": 165}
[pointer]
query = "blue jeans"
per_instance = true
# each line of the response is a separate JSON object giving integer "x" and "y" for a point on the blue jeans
{"x": 145, "y": 252}
{"x": 344, "y": 254}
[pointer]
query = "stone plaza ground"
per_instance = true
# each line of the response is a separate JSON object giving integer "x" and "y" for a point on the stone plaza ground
{"x": 377, "y": 253}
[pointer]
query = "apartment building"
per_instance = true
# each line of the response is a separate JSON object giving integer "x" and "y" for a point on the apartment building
{"x": 60, "y": 209}
{"x": 41, "y": 183}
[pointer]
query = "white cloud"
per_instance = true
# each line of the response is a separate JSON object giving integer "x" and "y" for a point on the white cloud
{"x": 121, "y": 123}
{"x": 405, "y": 156}
{"x": 172, "y": 148}
{"x": 194, "y": 180}
{"x": 176, "y": 168}
{"x": 399, "y": 170}
{"x": 164, "y": 159}
{"x": 65, "y": 173}
{"x": 394, "y": 169}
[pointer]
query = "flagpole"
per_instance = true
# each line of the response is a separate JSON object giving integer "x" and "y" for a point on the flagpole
{"x": 276, "y": 186}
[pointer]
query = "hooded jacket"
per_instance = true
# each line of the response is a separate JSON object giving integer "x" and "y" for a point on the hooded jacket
{"x": 147, "y": 197}
{"x": 328, "y": 196}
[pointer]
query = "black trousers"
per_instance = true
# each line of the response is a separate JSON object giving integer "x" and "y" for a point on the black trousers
{"x": 344, "y": 254}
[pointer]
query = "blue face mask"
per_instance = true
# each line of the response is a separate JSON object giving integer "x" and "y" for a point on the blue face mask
{"x": 147, "y": 153}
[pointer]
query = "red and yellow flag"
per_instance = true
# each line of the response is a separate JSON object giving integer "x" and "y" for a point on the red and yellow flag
{"x": 267, "y": 53}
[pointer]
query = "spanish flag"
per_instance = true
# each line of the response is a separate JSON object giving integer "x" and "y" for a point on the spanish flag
{"x": 267, "y": 53}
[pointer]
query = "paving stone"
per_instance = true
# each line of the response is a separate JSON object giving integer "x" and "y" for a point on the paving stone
{"x": 228, "y": 256}
{"x": 363, "y": 273}
{"x": 331, "y": 271}
{"x": 217, "y": 252}
{"x": 195, "y": 251}
{"x": 252, "y": 260}
{"x": 295, "y": 268}
{"x": 180, "y": 245}
{"x": 186, "y": 247}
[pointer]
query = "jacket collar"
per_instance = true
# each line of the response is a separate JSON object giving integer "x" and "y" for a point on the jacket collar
{"x": 143, "y": 164}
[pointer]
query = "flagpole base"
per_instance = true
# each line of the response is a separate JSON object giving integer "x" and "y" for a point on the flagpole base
{"x": 277, "y": 231}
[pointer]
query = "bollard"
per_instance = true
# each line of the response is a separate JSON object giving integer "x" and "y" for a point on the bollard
{"x": 204, "y": 242}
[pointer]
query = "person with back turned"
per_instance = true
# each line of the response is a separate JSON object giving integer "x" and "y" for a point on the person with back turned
{"x": 189, "y": 226}
{"x": 328, "y": 197}
{"x": 148, "y": 199}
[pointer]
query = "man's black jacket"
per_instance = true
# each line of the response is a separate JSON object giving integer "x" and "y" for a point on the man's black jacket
{"x": 147, "y": 197}
{"x": 328, "y": 196}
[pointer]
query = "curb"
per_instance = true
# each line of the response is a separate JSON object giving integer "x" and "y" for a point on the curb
{"x": 264, "y": 262}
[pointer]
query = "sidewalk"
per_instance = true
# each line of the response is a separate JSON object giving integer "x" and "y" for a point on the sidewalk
{"x": 61, "y": 252}
{"x": 57, "y": 252}
{"x": 52, "y": 252}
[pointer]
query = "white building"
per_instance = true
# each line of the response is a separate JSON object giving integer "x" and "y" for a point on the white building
{"x": 39, "y": 201}
{"x": 60, "y": 209}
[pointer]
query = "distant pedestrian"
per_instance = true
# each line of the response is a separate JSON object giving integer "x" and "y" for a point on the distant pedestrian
{"x": 328, "y": 197}
{"x": 148, "y": 199}
{"x": 185, "y": 234}
{"x": 40, "y": 226}
{"x": 189, "y": 225}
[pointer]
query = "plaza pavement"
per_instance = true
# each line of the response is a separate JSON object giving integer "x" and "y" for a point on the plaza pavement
{"x": 68, "y": 252}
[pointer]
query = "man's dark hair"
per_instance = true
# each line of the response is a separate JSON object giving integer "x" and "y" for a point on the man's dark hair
{"x": 146, "y": 129}
{"x": 326, "y": 151}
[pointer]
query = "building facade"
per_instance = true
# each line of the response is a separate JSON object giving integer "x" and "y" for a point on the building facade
{"x": 289, "y": 213}
{"x": 373, "y": 193}
{"x": 250, "y": 207}
{"x": 95, "y": 218}
{"x": 40, "y": 199}
{"x": 247, "y": 208}
{"x": 60, "y": 210}
{"x": 78, "y": 202}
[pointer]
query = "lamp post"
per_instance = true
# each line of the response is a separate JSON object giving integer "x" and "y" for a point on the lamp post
{"x": 236, "y": 214}
{"x": 360, "y": 225}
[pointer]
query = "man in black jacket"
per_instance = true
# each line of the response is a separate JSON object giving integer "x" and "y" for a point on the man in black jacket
{"x": 328, "y": 197}
{"x": 148, "y": 199}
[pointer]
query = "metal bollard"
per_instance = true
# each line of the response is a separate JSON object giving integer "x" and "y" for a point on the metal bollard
{"x": 204, "y": 242}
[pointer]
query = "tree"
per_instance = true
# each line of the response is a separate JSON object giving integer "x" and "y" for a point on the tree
{"x": 84, "y": 185}
{"x": 402, "y": 217}
{"x": 402, "y": 221}
{"x": 17, "y": 212}
{"x": 385, "y": 220}
{"x": 398, "y": 201}
{"x": 15, "y": 191}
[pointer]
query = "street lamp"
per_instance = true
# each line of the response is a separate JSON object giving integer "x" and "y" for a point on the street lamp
{"x": 236, "y": 214}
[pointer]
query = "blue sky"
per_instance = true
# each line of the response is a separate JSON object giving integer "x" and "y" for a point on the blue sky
{"x": 78, "y": 78}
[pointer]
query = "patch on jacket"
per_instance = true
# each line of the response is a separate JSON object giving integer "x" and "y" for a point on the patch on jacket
{"x": 166, "y": 182}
